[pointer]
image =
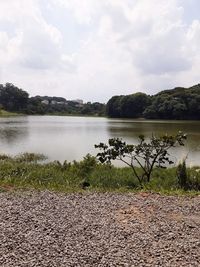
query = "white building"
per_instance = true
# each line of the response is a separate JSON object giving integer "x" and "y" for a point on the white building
{"x": 78, "y": 101}
{"x": 46, "y": 102}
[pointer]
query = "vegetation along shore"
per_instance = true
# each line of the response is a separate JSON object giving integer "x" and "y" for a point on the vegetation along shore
{"x": 27, "y": 172}
{"x": 177, "y": 104}
{"x": 146, "y": 168}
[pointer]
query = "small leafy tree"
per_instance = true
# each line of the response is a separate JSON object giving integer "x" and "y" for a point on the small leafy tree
{"x": 145, "y": 154}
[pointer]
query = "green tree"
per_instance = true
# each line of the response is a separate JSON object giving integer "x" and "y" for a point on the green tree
{"x": 113, "y": 107}
{"x": 133, "y": 106}
{"x": 146, "y": 155}
{"x": 178, "y": 103}
{"x": 12, "y": 98}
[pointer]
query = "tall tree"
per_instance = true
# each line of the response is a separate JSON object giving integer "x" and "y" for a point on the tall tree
{"x": 12, "y": 98}
{"x": 133, "y": 106}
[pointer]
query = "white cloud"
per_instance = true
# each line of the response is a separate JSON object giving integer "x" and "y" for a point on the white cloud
{"x": 83, "y": 10}
{"x": 35, "y": 44}
{"x": 193, "y": 35}
{"x": 125, "y": 46}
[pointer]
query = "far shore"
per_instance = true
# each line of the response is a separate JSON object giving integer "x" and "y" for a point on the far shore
{"x": 4, "y": 113}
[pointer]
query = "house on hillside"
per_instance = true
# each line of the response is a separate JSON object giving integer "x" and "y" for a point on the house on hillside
{"x": 45, "y": 101}
{"x": 79, "y": 102}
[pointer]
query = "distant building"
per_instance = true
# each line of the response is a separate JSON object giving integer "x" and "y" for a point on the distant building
{"x": 79, "y": 101}
{"x": 46, "y": 102}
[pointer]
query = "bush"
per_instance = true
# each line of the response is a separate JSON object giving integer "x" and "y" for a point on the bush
{"x": 194, "y": 179}
{"x": 182, "y": 175}
{"x": 85, "y": 167}
{"x": 188, "y": 179}
{"x": 146, "y": 155}
{"x": 30, "y": 157}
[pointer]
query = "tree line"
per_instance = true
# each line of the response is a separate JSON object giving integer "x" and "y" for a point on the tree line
{"x": 178, "y": 103}
{"x": 14, "y": 99}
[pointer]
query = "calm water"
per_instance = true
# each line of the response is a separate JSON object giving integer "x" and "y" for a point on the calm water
{"x": 72, "y": 138}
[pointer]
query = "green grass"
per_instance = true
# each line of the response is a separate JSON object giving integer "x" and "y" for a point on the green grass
{"x": 27, "y": 171}
{"x": 4, "y": 113}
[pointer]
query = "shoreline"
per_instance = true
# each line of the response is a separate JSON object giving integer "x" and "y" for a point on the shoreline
{"x": 12, "y": 114}
{"x": 29, "y": 171}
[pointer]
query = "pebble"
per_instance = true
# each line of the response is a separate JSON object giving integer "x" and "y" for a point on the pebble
{"x": 47, "y": 229}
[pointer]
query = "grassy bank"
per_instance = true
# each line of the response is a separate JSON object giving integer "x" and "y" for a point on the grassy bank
{"x": 26, "y": 171}
{"x": 4, "y": 113}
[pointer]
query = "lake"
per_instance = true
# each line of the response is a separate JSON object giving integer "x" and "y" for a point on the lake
{"x": 71, "y": 138}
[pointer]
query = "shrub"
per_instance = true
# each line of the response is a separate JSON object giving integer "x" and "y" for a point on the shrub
{"x": 194, "y": 179}
{"x": 5, "y": 157}
{"x": 182, "y": 175}
{"x": 146, "y": 154}
{"x": 30, "y": 157}
{"x": 86, "y": 166}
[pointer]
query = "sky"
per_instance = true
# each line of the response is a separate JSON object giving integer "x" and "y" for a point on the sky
{"x": 94, "y": 49}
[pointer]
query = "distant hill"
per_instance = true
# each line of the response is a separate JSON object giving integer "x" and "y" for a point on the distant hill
{"x": 178, "y": 103}
{"x": 14, "y": 99}
{"x": 180, "y": 90}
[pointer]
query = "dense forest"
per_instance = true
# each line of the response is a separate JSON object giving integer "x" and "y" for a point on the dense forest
{"x": 177, "y": 103}
{"x": 14, "y": 99}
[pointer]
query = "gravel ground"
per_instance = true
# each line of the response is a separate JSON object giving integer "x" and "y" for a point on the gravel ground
{"x": 95, "y": 229}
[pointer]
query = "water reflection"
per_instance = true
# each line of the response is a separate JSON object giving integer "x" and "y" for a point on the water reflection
{"x": 131, "y": 129}
{"x": 72, "y": 138}
{"x": 12, "y": 130}
{"x": 12, "y": 135}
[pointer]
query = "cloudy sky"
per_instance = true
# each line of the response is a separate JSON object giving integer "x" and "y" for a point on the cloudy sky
{"x": 94, "y": 49}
